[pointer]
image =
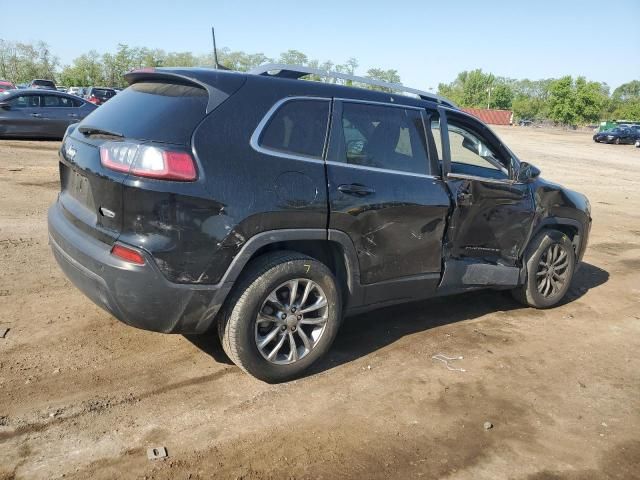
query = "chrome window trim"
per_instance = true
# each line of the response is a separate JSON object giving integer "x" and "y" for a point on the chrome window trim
{"x": 382, "y": 170}
{"x": 382, "y": 104}
{"x": 462, "y": 176}
{"x": 255, "y": 137}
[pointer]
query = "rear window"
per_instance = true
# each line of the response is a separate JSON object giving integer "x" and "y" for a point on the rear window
{"x": 58, "y": 101}
{"x": 163, "y": 112}
{"x": 44, "y": 83}
{"x": 103, "y": 93}
{"x": 298, "y": 127}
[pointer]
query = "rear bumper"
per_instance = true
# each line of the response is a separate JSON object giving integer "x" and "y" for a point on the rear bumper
{"x": 138, "y": 295}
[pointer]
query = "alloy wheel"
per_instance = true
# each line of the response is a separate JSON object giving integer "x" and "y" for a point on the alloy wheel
{"x": 553, "y": 270}
{"x": 291, "y": 321}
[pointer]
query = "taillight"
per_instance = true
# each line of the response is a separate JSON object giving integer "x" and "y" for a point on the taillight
{"x": 148, "y": 161}
{"x": 92, "y": 99}
{"x": 127, "y": 254}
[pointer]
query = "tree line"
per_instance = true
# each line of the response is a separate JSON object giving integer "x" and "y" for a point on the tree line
{"x": 565, "y": 100}
{"x": 20, "y": 63}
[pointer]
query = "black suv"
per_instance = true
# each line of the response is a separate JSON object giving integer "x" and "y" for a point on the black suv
{"x": 42, "y": 84}
{"x": 271, "y": 207}
{"x": 99, "y": 95}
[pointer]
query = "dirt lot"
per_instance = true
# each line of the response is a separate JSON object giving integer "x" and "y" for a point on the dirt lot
{"x": 83, "y": 396}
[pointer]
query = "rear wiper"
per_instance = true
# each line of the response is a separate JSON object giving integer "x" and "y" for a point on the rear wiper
{"x": 89, "y": 131}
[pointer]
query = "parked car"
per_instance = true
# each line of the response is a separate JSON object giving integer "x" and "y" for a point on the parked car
{"x": 525, "y": 123}
{"x": 99, "y": 95}
{"x": 272, "y": 207}
{"x": 617, "y": 135}
{"x": 42, "y": 84}
{"x": 5, "y": 86}
{"x": 75, "y": 91}
{"x": 40, "y": 114}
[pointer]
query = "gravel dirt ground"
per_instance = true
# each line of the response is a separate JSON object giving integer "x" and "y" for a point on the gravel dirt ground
{"x": 83, "y": 396}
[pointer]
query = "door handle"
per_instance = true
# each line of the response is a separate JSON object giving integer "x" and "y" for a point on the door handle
{"x": 73, "y": 115}
{"x": 356, "y": 189}
{"x": 37, "y": 115}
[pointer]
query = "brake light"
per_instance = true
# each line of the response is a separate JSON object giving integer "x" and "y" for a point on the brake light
{"x": 148, "y": 161}
{"x": 92, "y": 99}
{"x": 127, "y": 254}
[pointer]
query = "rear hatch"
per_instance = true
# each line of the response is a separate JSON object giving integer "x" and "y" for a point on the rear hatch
{"x": 102, "y": 94}
{"x": 158, "y": 111}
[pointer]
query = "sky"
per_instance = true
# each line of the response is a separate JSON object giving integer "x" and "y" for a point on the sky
{"x": 427, "y": 42}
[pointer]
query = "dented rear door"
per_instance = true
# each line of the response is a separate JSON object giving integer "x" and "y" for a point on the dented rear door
{"x": 383, "y": 192}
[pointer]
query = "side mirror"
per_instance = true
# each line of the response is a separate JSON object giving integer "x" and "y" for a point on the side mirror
{"x": 5, "y": 105}
{"x": 527, "y": 172}
{"x": 469, "y": 145}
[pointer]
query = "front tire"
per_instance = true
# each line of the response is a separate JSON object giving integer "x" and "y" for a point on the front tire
{"x": 550, "y": 262}
{"x": 282, "y": 316}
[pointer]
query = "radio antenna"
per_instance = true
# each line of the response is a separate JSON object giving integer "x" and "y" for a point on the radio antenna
{"x": 215, "y": 50}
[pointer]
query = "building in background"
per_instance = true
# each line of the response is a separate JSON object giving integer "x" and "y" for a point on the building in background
{"x": 491, "y": 116}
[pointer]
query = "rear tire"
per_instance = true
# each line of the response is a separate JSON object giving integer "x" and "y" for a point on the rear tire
{"x": 550, "y": 262}
{"x": 267, "y": 334}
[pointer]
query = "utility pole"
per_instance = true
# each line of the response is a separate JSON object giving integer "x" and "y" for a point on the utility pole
{"x": 489, "y": 99}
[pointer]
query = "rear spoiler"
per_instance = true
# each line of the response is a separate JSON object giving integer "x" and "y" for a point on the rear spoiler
{"x": 219, "y": 84}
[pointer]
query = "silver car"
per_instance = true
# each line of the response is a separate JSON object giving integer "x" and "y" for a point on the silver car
{"x": 40, "y": 113}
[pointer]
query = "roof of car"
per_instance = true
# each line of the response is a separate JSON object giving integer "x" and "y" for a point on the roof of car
{"x": 209, "y": 77}
{"x": 36, "y": 91}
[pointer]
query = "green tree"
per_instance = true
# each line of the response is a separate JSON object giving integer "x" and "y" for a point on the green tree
{"x": 627, "y": 91}
{"x": 590, "y": 100}
{"x": 293, "y": 57}
{"x": 22, "y": 62}
{"x": 390, "y": 76}
{"x": 85, "y": 70}
{"x": 625, "y": 102}
{"x": 562, "y": 101}
{"x": 477, "y": 89}
{"x": 501, "y": 96}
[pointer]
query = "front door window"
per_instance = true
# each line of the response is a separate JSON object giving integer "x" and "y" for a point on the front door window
{"x": 471, "y": 154}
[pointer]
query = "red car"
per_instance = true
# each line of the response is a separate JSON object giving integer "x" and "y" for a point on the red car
{"x": 5, "y": 85}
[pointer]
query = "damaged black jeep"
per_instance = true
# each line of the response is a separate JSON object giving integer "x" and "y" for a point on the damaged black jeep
{"x": 271, "y": 207}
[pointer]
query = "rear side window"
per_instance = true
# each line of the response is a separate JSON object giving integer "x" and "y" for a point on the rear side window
{"x": 57, "y": 101}
{"x": 391, "y": 138}
{"x": 163, "y": 112}
{"x": 25, "y": 101}
{"x": 44, "y": 83}
{"x": 298, "y": 127}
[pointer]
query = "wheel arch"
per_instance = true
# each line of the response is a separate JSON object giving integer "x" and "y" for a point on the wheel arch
{"x": 571, "y": 227}
{"x": 333, "y": 248}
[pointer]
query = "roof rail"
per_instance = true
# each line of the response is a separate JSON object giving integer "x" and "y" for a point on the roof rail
{"x": 282, "y": 70}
